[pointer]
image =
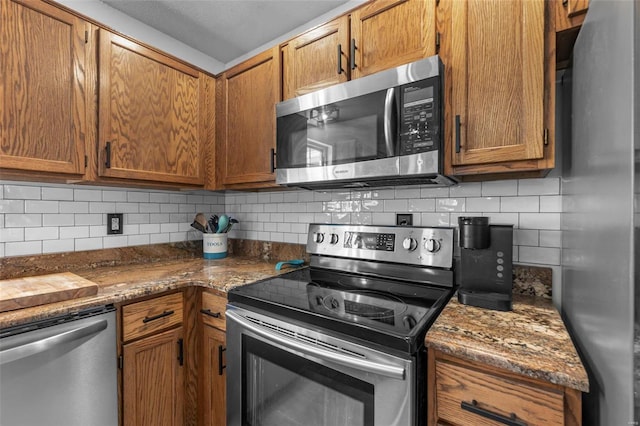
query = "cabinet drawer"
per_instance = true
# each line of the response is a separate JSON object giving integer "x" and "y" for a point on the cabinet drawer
{"x": 142, "y": 318}
{"x": 213, "y": 307}
{"x": 483, "y": 393}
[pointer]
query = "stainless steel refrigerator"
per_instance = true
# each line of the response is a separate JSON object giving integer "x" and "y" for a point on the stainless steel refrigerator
{"x": 600, "y": 189}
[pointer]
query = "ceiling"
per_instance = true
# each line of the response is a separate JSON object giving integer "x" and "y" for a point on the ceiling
{"x": 224, "y": 29}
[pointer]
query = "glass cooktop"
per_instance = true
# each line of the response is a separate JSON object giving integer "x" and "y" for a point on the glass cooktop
{"x": 391, "y": 313}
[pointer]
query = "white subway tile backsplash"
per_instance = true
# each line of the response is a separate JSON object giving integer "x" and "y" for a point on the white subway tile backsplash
{"x": 520, "y": 204}
{"x": 60, "y": 194}
{"x": 539, "y": 186}
{"x": 22, "y": 220}
{"x": 22, "y": 192}
{"x": 58, "y": 246}
{"x": 12, "y": 206}
{"x": 66, "y": 218}
{"x": 87, "y": 195}
{"x": 23, "y": 248}
{"x": 500, "y": 188}
{"x": 114, "y": 196}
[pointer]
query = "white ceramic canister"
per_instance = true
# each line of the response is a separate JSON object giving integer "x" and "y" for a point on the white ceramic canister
{"x": 214, "y": 246}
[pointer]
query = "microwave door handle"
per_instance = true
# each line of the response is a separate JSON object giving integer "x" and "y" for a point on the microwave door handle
{"x": 388, "y": 121}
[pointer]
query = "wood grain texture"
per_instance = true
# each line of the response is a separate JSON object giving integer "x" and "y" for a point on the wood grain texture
{"x": 251, "y": 91}
{"x": 501, "y": 100}
{"x": 213, "y": 390}
{"x": 42, "y": 63}
{"x": 389, "y": 33}
{"x": 217, "y": 305}
{"x": 310, "y": 61}
{"x": 565, "y": 19}
{"x": 150, "y": 110}
{"x": 211, "y": 181}
{"x": 192, "y": 343}
{"x": 502, "y": 395}
{"x": 133, "y": 315}
{"x": 153, "y": 381}
{"x": 19, "y": 293}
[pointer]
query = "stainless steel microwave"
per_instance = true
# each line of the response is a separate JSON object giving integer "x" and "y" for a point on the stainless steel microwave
{"x": 382, "y": 129}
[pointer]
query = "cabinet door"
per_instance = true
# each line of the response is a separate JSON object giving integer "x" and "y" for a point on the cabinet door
{"x": 214, "y": 390}
{"x": 248, "y": 129}
{"x": 43, "y": 66}
{"x": 495, "y": 59}
{"x": 152, "y": 380}
{"x": 151, "y": 114}
{"x": 388, "y": 33}
{"x": 316, "y": 59}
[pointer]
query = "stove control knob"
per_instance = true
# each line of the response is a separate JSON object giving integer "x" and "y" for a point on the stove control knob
{"x": 334, "y": 303}
{"x": 431, "y": 245}
{"x": 409, "y": 244}
{"x": 334, "y": 239}
{"x": 318, "y": 237}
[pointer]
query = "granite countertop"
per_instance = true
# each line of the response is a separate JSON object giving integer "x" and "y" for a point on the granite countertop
{"x": 530, "y": 340}
{"x": 137, "y": 273}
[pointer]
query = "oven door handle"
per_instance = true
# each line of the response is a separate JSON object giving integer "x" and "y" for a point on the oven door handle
{"x": 345, "y": 360}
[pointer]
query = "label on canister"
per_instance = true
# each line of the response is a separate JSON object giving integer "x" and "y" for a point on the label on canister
{"x": 214, "y": 246}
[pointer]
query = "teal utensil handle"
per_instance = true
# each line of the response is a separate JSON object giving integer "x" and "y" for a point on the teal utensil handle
{"x": 294, "y": 262}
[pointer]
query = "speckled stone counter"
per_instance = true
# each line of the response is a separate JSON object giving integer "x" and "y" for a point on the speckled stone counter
{"x": 530, "y": 340}
{"x": 127, "y": 274}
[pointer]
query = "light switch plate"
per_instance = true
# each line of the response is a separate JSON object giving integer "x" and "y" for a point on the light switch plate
{"x": 114, "y": 223}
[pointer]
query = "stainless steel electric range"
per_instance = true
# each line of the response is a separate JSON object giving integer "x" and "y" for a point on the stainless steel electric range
{"x": 340, "y": 342}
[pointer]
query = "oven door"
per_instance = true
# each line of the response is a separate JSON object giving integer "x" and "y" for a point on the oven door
{"x": 282, "y": 374}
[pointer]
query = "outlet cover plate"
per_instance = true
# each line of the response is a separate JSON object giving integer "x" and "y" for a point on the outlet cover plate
{"x": 404, "y": 219}
{"x": 114, "y": 223}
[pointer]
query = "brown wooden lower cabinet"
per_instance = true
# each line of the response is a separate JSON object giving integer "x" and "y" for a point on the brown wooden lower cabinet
{"x": 468, "y": 393}
{"x": 212, "y": 368}
{"x": 153, "y": 380}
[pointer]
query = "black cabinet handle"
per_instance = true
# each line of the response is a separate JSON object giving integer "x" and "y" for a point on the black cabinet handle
{"x": 273, "y": 160}
{"x": 155, "y": 317}
{"x": 211, "y": 314}
{"x": 340, "y": 70}
{"x": 457, "y": 134}
{"x": 107, "y": 160}
{"x": 353, "y": 54}
{"x": 221, "y": 366}
{"x": 181, "y": 351}
{"x": 473, "y": 407}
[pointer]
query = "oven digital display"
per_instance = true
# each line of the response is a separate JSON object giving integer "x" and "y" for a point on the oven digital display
{"x": 376, "y": 313}
{"x": 369, "y": 241}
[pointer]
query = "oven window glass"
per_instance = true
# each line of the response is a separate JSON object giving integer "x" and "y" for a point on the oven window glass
{"x": 281, "y": 389}
{"x": 343, "y": 132}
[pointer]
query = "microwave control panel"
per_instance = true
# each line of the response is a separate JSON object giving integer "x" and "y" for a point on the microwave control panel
{"x": 420, "y": 116}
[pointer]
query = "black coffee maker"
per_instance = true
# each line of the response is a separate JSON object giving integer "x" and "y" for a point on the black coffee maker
{"x": 485, "y": 264}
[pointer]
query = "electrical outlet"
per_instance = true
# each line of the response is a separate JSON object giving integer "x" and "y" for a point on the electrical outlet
{"x": 404, "y": 219}
{"x": 114, "y": 223}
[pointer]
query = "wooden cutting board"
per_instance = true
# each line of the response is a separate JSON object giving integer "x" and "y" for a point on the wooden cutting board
{"x": 26, "y": 292}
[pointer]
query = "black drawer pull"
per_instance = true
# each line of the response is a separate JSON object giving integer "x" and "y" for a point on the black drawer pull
{"x": 155, "y": 317}
{"x": 220, "y": 365}
{"x": 340, "y": 70}
{"x": 473, "y": 407}
{"x": 211, "y": 314}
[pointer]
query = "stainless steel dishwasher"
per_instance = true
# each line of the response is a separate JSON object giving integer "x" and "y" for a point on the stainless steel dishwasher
{"x": 60, "y": 371}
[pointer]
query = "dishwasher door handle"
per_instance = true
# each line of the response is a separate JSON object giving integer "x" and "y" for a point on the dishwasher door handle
{"x": 357, "y": 363}
{"x": 41, "y": 345}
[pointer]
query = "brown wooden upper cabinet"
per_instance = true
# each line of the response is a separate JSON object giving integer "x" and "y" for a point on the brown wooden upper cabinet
{"x": 498, "y": 90}
{"x": 43, "y": 57}
{"x": 246, "y": 120}
{"x": 379, "y": 35}
{"x": 570, "y": 13}
{"x": 152, "y": 113}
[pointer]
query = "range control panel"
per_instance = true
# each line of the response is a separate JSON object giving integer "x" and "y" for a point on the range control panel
{"x": 399, "y": 244}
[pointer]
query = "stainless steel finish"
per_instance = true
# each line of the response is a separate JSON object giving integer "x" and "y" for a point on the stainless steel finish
{"x": 319, "y": 352}
{"x": 394, "y": 397}
{"x": 425, "y": 68}
{"x": 599, "y": 251}
{"x": 38, "y": 345}
{"x": 441, "y": 258}
{"x": 65, "y": 374}
{"x": 388, "y": 125}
